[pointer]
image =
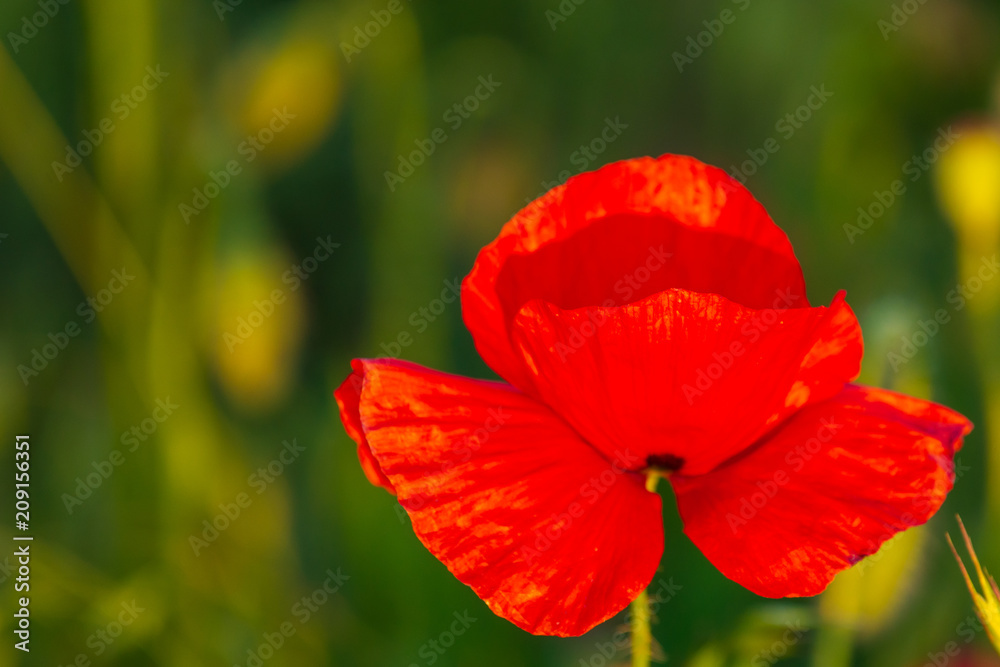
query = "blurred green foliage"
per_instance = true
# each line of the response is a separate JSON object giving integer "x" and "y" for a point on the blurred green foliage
{"x": 232, "y": 157}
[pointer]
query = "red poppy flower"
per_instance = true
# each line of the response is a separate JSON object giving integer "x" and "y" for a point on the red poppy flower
{"x": 648, "y": 316}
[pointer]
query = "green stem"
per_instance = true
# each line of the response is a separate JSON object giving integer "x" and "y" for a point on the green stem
{"x": 642, "y": 638}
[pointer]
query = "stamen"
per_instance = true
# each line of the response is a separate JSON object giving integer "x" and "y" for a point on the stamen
{"x": 652, "y": 479}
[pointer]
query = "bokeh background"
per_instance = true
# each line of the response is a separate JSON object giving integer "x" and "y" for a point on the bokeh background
{"x": 229, "y": 161}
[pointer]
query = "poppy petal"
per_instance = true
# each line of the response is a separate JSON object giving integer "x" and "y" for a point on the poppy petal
{"x": 550, "y": 534}
{"x": 825, "y": 490}
{"x": 685, "y": 379}
{"x": 348, "y": 397}
{"x": 619, "y": 234}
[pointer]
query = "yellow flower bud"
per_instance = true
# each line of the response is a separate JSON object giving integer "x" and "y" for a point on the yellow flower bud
{"x": 258, "y": 324}
{"x": 987, "y": 603}
{"x": 284, "y": 95}
{"x": 968, "y": 180}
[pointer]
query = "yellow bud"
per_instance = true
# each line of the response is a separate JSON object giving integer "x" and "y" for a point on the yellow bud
{"x": 968, "y": 181}
{"x": 987, "y": 602}
{"x": 258, "y": 323}
{"x": 284, "y": 96}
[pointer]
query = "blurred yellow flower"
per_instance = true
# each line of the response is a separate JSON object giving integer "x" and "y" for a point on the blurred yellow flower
{"x": 257, "y": 318}
{"x": 987, "y": 603}
{"x": 968, "y": 179}
{"x": 297, "y": 78}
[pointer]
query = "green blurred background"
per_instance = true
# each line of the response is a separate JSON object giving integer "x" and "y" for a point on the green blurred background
{"x": 229, "y": 160}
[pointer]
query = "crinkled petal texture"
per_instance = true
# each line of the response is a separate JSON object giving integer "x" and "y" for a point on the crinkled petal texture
{"x": 348, "y": 396}
{"x": 828, "y": 488}
{"x": 553, "y": 536}
{"x": 685, "y": 377}
{"x": 646, "y": 314}
{"x": 620, "y": 234}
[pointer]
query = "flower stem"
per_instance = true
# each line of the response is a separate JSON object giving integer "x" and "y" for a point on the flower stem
{"x": 642, "y": 639}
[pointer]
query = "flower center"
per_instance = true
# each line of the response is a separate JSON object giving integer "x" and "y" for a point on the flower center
{"x": 660, "y": 465}
{"x": 665, "y": 463}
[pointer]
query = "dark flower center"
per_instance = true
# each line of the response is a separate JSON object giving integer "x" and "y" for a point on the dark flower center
{"x": 664, "y": 462}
